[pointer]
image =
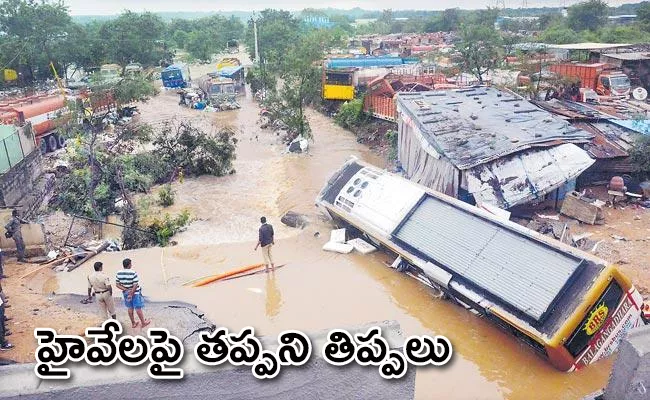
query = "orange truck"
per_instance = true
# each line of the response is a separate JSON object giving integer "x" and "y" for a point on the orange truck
{"x": 601, "y": 77}
{"x": 48, "y": 114}
{"x": 45, "y": 113}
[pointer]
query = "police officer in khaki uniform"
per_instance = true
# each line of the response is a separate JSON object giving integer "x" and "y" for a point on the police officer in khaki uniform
{"x": 100, "y": 283}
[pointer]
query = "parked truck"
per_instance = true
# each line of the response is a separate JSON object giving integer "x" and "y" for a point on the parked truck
{"x": 48, "y": 114}
{"x": 45, "y": 113}
{"x": 600, "y": 77}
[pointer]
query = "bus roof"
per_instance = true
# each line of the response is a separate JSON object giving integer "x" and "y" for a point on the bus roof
{"x": 525, "y": 274}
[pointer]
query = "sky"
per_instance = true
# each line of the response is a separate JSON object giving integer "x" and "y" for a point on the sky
{"x": 108, "y": 7}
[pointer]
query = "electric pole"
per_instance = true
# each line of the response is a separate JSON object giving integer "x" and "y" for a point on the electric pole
{"x": 257, "y": 50}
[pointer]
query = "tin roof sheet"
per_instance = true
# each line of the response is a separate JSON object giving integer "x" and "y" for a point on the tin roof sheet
{"x": 586, "y": 46}
{"x": 525, "y": 274}
{"x": 476, "y": 125}
{"x": 526, "y": 176}
{"x": 632, "y": 56}
{"x": 641, "y": 126}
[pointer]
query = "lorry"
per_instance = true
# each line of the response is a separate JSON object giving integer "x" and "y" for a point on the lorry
{"x": 221, "y": 92}
{"x": 49, "y": 114}
{"x": 600, "y": 77}
{"x": 176, "y": 76}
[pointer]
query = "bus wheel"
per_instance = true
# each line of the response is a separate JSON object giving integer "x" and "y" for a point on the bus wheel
{"x": 61, "y": 141}
{"x": 52, "y": 142}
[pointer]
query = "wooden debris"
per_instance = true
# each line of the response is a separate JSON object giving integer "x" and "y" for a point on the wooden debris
{"x": 575, "y": 206}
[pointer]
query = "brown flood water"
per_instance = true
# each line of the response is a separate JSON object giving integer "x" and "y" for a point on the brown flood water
{"x": 318, "y": 290}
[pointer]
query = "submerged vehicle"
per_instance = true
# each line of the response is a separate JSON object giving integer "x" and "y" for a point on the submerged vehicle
{"x": 570, "y": 307}
{"x": 175, "y": 76}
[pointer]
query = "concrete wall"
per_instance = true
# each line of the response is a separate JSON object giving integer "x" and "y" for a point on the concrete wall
{"x": 315, "y": 380}
{"x": 630, "y": 378}
{"x": 19, "y": 180}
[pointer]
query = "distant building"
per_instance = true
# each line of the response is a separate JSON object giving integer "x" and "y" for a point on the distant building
{"x": 318, "y": 22}
{"x": 621, "y": 19}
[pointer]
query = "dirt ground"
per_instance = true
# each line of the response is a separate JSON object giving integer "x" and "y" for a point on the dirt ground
{"x": 32, "y": 306}
{"x": 624, "y": 239}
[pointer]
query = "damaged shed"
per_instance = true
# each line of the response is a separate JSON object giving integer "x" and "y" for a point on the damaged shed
{"x": 484, "y": 145}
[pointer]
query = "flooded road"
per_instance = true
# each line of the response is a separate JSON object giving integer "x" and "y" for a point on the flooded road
{"x": 317, "y": 290}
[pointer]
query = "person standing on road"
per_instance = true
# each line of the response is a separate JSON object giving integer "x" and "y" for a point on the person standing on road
{"x": 266, "y": 241}
{"x": 100, "y": 283}
{"x": 14, "y": 231}
{"x": 129, "y": 283}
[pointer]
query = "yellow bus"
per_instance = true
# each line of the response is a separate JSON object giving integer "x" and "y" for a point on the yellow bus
{"x": 570, "y": 307}
{"x": 338, "y": 84}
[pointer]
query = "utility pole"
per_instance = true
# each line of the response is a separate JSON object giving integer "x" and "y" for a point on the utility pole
{"x": 257, "y": 50}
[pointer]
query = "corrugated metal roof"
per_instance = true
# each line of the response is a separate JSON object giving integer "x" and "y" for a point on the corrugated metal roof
{"x": 476, "y": 125}
{"x": 526, "y": 176}
{"x": 610, "y": 140}
{"x": 524, "y": 274}
{"x": 637, "y": 125}
{"x": 586, "y": 46}
{"x": 628, "y": 56}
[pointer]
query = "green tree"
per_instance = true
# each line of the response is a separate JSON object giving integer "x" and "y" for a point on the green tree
{"x": 277, "y": 32}
{"x": 198, "y": 45}
{"x": 450, "y": 20}
{"x": 558, "y": 34}
{"x": 643, "y": 14}
{"x": 32, "y": 34}
{"x": 180, "y": 38}
{"x": 134, "y": 37}
{"x": 479, "y": 46}
{"x": 589, "y": 15}
{"x": 300, "y": 82}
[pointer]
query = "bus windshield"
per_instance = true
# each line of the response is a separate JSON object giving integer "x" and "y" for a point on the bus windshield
{"x": 595, "y": 319}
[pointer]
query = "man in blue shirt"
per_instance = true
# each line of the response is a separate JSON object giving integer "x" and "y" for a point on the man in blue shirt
{"x": 266, "y": 241}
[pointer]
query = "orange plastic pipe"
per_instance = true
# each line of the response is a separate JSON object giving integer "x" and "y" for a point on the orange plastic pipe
{"x": 223, "y": 275}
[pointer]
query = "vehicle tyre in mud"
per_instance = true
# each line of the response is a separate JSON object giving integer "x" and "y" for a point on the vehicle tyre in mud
{"x": 43, "y": 146}
{"x": 61, "y": 141}
{"x": 52, "y": 142}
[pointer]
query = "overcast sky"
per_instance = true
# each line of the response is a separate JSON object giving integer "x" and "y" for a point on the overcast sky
{"x": 107, "y": 7}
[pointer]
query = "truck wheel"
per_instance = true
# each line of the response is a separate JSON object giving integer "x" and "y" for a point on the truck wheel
{"x": 43, "y": 146}
{"x": 52, "y": 142}
{"x": 61, "y": 141}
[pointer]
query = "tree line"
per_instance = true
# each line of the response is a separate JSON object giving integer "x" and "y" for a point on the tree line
{"x": 37, "y": 33}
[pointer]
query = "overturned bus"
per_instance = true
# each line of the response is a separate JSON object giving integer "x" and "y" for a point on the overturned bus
{"x": 569, "y": 306}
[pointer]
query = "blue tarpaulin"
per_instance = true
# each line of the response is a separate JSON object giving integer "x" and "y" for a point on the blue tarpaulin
{"x": 641, "y": 126}
{"x": 230, "y": 71}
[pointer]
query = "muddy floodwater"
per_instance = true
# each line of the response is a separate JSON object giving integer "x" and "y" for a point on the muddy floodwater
{"x": 315, "y": 289}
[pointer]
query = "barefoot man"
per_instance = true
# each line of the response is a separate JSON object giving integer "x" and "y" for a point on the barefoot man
{"x": 266, "y": 241}
{"x": 128, "y": 282}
